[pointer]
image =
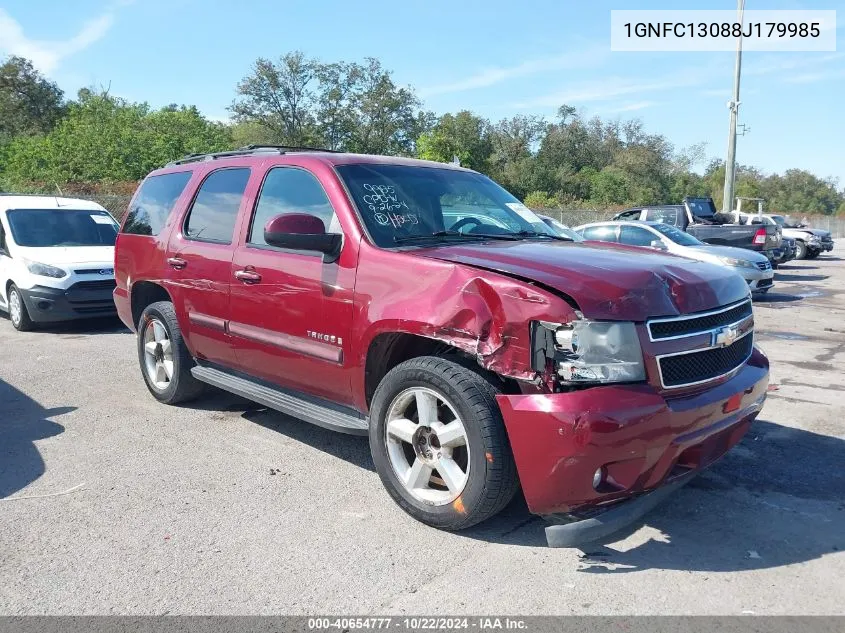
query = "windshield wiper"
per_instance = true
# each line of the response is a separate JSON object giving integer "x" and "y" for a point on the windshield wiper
{"x": 551, "y": 236}
{"x": 427, "y": 236}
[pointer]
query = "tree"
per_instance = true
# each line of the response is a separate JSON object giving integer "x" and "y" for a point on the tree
{"x": 29, "y": 103}
{"x": 610, "y": 187}
{"x": 279, "y": 96}
{"x": 386, "y": 117}
{"x": 107, "y": 139}
{"x": 463, "y": 135}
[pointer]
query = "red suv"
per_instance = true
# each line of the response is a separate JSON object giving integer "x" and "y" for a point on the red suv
{"x": 425, "y": 306}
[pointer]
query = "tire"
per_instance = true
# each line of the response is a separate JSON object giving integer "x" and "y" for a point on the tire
{"x": 775, "y": 265}
{"x": 813, "y": 254}
{"x": 463, "y": 395}
{"x": 18, "y": 314}
{"x": 159, "y": 329}
{"x": 800, "y": 250}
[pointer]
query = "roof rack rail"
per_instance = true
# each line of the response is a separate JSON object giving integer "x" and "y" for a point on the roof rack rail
{"x": 249, "y": 150}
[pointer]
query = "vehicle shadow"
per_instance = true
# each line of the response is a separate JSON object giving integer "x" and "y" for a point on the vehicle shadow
{"x": 776, "y": 297}
{"x": 23, "y": 422}
{"x": 354, "y": 449}
{"x": 781, "y": 277}
{"x": 105, "y": 325}
{"x": 760, "y": 506}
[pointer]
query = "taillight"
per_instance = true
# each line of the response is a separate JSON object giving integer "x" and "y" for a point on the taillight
{"x": 760, "y": 236}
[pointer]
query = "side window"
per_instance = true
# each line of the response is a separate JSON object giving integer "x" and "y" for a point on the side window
{"x": 214, "y": 212}
{"x": 290, "y": 190}
{"x": 601, "y": 233}
{"x": 154, "y": 202}
{"x": 667, "y": 216}
{"x": 636, "y": 236}
{"x": 4, "y": 250}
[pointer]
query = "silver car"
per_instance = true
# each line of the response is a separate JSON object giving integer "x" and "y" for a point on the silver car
{"x": 753, "y": 267}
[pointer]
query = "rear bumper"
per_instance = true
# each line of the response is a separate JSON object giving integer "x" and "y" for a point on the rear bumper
{"x": 638, "y": 439}
{"x": 50, "y": 305}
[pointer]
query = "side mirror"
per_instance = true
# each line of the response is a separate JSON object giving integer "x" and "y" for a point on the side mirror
{"x": 658, "y": 244}
{"x": 302, "y": 232}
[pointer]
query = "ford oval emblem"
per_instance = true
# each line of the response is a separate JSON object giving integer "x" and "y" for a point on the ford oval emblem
{"x": 106, "y": 271}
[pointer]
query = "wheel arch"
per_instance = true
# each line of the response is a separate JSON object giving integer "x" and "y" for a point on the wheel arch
{"x": 388, "y": 349}
{"x": 143, "y": 293}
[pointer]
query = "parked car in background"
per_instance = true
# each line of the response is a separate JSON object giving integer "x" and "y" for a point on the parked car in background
{"x": 753, "y": 267}
{"x": 56, "y": 259}
{"x": 698, "y": 217}
{"x": 809, "y": 242}
{"x": 561, "y": 229}
{"x": 481, "y": 355}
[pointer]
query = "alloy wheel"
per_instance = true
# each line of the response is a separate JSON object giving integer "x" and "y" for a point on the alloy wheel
{"x": 158, "y": 354}
{"x": 427, "y": 445}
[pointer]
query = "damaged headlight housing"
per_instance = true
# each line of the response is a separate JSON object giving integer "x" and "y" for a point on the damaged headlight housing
{"x": 587, "y": 351}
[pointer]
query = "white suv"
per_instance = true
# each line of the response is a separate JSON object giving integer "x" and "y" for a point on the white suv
{"x": 56, "y": 259}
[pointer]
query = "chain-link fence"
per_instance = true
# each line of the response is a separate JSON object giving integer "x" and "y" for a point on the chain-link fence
{"x": 114, "y": 203}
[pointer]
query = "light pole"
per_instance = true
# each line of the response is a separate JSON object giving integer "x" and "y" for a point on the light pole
{"x": 733, "y": 105}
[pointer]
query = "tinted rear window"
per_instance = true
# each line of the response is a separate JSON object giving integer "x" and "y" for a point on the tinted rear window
{"x": 215, "y": 210}
{"x": 61, "y": 227}
{"x": 154, "y": 202}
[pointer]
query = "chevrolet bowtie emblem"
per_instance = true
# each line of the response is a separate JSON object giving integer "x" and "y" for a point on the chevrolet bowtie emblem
{"x": 725, "y": 336}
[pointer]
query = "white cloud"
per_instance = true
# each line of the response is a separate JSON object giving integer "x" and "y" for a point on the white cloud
{"x": 632, "y": 107}
{"x": 610, "y": 88}
{"x": 491, "y": 76}
{"x": 46, "y": 55}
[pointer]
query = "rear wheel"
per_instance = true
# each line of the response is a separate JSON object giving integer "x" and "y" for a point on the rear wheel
{"x": 800, "y": 250}
{"x": 18, "y": 314}
{"x": 165, "y": 360}
{"x": 439, "y": 443}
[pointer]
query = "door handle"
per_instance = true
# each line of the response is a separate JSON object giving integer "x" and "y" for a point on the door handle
{"x": 248, "y": 276}
{"x": 177, "y": 262}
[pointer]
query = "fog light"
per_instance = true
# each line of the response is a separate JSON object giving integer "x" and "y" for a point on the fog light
{"x": 598, "y": 477}
{"x": 43, "y": 305}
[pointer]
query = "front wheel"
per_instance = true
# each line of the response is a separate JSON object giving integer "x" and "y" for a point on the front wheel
{"x": 800, "y": 250}
{"x": 165, "y": 360}
{"x": 439, "y": 443}
{"x": 18, "y": 314}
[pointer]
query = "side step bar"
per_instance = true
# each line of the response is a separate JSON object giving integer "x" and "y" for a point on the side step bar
{"x": 327, "y": 415}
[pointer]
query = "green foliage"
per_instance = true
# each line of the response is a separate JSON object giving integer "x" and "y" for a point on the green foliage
{"x": 541, "y": 200}
{"x": 105, "y": 138}
{"x": 342, "y": 106}
{"x": 610, "y": 187}
{"x": 464, "y": 136}
{"x": 29, "y": 103}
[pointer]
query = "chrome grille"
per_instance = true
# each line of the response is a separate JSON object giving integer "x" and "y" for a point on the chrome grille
{"x": 690, "y": 368}
{"x": 719, "y": 343}
{"x": 692, "y": 324}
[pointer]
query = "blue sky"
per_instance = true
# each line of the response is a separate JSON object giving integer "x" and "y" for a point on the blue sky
{"x": 493, "y": 57}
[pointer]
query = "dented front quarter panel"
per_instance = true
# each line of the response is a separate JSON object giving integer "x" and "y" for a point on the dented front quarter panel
{"x": 485, "y": 314}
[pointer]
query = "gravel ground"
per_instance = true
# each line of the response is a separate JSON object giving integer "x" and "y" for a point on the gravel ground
{"x": 111, "y": 503}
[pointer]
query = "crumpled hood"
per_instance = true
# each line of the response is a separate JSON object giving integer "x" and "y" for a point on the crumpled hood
{"x": 90, "y": 256}
{"x": 606, "y": 281}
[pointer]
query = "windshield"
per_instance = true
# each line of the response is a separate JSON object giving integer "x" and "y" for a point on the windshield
{"x": 401, "y": 203}
{"x": 779, "y": 220}
{"x": 61, "y": 227}
{"x": 677, "y": 235}
{"x": 562, "y": 229}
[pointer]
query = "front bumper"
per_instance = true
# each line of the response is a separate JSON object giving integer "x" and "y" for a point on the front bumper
{"x": 82, "y": 300}
{"x": 757, "y": 279}
{"x": 639, "y": 438}
{"x": 821, "y": 246}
